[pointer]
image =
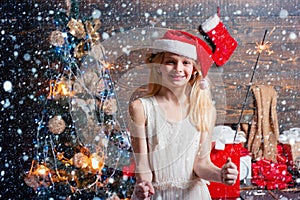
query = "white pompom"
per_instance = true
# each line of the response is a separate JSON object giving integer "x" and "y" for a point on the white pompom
{"x": 204, "y": 84}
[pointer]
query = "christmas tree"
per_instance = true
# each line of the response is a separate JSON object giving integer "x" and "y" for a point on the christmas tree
{"x": 81, "y": 148}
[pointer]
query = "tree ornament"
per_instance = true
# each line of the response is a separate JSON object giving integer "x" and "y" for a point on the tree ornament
{"x": 80, "y": 160}
{"x": 32, "y": 181}
{"x": 87, "y": 158}
{"x": 57, "y": 38}
{"x": 97, "y": 51}
{"x": 56, "y": 125}
{"x": 110, "y": 106}
{"x": 86, "y": 31}
{"x": 76, "y": 28}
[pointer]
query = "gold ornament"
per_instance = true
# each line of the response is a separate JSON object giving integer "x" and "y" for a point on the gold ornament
{"x": 56, "y": 125}
{"x": 90, "y": 79}
{"x": 80, "y": 160}
{"x": 110, "y": 106}
{"x": 32, "y": 181}
{"x": 84, "y": 150}
{"x": 78, "y": 88}
{"x": 56, "y": 38}
{"x": 79, "y": 50}
{"x": 91, "y": 28}
{"x": 77, "y": 29}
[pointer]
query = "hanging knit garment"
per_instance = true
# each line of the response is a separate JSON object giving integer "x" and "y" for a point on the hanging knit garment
{"x": 264, "y": 131}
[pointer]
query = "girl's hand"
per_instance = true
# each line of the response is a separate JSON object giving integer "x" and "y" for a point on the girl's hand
{"x": 143, "y": 190}
{"x": 229, "y": 173}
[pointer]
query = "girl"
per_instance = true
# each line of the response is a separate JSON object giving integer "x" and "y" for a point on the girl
{"x": 171, "y": 127}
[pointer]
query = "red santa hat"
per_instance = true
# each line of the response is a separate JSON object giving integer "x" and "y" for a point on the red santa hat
{"x": 186, "y": 44}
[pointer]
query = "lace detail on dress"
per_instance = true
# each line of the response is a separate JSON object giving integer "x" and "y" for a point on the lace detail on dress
{"x": 176, "y": 183}
{"x": 172, "y": 148}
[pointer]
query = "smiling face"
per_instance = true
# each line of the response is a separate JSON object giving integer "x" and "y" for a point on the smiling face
{"x": 176, "y": 70}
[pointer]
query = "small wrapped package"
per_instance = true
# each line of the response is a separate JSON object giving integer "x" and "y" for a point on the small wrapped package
{"x": 224, "y": 147}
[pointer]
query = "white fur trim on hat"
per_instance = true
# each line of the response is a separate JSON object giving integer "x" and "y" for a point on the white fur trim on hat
{"x": 210, "y": 23}
{"x": 175, "y": 46}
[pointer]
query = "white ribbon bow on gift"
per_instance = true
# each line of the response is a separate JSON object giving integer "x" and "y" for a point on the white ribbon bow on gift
{"x": 223, "y": 135}
{"x": 290, "y": 136}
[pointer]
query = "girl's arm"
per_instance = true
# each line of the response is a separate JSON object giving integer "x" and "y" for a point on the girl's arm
{"x": 140, "y": 149}
{"x": 205, "y": 169}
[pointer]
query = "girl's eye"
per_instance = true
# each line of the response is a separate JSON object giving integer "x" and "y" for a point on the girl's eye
{"x": 170, "y": 62}
{"x": 186, "y": 62}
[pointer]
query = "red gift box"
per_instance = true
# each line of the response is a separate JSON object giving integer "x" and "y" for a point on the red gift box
{"x": 129, "y": 170}
{"x": 219, "y": 158}
{"x": 290, "y": 151}
{"x": 269, "y": 175}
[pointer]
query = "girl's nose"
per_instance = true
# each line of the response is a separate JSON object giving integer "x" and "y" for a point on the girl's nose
{"x": 178, "y": 67}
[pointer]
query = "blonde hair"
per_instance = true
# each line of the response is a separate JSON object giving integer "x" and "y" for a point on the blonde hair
{"x": 201, "y": 111}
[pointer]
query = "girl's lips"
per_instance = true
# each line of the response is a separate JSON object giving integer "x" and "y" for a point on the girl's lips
{"x": 177, "y": 76}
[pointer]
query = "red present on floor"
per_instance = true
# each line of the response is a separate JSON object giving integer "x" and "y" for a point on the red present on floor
{"x": 219, "y": 157}
{"x": 269, "y": 175}
{"x": 290, "y": 151}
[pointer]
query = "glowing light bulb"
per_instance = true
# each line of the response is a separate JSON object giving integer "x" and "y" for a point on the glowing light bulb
{"x": 96, "y": 162}
{"x": 264, "y": 47}
{"x": 42, "y": 170}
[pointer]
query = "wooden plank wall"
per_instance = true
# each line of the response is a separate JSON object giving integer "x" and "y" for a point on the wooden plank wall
{"x": 246, "y": 20}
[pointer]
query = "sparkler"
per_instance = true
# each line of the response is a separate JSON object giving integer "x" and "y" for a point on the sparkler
{"x": 261, "y": 47}
{"x": 264, "y": 47}
{"x": 293, "y": 60}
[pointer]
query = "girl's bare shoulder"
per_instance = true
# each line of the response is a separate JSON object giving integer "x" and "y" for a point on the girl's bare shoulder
{"x": 136, "y": 111}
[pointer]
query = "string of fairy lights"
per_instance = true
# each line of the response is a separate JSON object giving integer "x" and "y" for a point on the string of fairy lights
{"x": 88, "y": 160}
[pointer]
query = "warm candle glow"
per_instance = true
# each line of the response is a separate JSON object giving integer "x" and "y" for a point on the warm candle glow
{"x": 42, "y": 170}
{"x": 96, "y": 162}
{"x": 59, "y": 88}
{"x": 264, "y": 47}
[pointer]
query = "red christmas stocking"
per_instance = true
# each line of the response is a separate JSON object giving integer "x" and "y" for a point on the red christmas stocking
{"x": 225, "y": 44}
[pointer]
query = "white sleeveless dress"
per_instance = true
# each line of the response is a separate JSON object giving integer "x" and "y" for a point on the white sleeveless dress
{"x": 173, "y": 147}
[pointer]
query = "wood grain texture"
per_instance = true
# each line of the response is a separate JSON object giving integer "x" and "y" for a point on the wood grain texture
{"x": 245, "y": 20}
